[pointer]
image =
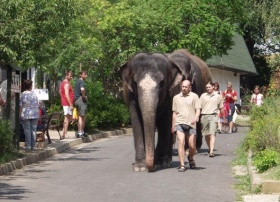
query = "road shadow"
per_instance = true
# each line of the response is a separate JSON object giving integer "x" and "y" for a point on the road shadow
{"x": 74, "y": 154}
{"x": 9, "y": 192}
{"x": 176, "y": 164}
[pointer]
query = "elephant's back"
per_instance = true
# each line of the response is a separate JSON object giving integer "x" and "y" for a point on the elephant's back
{"x": 205, "y": 72}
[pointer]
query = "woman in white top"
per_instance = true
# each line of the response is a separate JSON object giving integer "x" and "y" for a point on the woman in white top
{"x": 257, "y": 97}
{"x": 217, "y": 88}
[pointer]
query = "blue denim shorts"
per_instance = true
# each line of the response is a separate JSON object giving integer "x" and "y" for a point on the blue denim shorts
{"x": 190, "y": 131}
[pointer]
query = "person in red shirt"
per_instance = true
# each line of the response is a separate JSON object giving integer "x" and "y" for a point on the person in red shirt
{"x": 67, "y": 101}
{"x": 223, "y": 117}
{"x": 230, "y": 97}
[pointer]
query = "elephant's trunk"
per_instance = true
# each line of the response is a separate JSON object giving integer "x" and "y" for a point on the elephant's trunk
{"x": 149, "y": 130}
{"x": 148, "y": 109}
{"x": 148, "y": 101}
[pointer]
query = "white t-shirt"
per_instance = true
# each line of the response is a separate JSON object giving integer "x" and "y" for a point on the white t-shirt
{"x": 257, "y": 99}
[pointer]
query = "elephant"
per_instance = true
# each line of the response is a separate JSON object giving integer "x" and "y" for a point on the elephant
{"x": 150, "y": 80}
{"x": 195, "y": 70}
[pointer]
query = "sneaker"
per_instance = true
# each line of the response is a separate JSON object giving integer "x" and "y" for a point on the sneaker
{"x": 219, "y": 131}
{"x": 229, "y": 131}
{"x": 79, "y": 135}
{"x": 27, "y": 148}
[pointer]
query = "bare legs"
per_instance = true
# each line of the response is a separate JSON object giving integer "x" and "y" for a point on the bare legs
{"x": 81, "y": 123}
{"x": 210, "y": 140}
{"x": 181, "y": 146}
{"x": 67, "y": 120}
{"x": 230, "y": 126}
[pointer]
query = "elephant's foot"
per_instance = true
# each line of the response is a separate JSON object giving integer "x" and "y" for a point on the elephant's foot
{"x": 165, "y": 162}
{"x": 139, "y": 167}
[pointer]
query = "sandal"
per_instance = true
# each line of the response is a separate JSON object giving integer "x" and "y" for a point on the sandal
{"x": 181, "y": 169}
{"x": 191, "y": 163}
{"x": 211, "y": 155}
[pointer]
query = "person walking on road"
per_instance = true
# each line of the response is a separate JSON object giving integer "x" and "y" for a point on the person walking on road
{"x": 211, "y": 103}
{"x": 230, "y": 97}
{"x": 186, "y": 112}
{"x": 217, "y": 90}
{"x": 29, "y": 113}
{"x": 67, "y": 101}
{"x": 81, "y": 102}
{"x": 234, "y": 117}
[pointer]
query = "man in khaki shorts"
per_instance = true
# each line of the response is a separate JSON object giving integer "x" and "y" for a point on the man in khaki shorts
{"x": 211, "y": 103}
{"x": 186, "y": 111}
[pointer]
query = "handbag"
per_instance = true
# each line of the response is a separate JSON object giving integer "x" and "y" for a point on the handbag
{"x": 75, "y": 115}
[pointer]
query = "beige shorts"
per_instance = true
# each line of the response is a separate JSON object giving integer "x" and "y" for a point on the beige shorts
{"x": 208, "y": 124}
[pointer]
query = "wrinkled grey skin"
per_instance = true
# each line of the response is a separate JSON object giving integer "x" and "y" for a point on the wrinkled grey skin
{"x": 149, "y": 83}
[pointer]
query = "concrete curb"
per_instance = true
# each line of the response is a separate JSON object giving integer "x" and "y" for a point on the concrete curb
{"x": 55, "y": 148}
{"x": 266, "y": 186}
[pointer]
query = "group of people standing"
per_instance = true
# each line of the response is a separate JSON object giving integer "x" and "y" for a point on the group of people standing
{"x": 74, "y": 98}
{"x": 188, "y": 109}
{"x": 29, "y": 107}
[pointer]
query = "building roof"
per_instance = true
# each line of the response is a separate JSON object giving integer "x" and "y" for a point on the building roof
{"x": 238, "y": 58}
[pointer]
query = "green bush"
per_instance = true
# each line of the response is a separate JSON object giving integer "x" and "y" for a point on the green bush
{"x": 266, "y": 159}
{"x": 6, "y": 137}
{"x": 264, "y": 137}
{"x": 265, "y": 124}
{"x": 104, "y": 109}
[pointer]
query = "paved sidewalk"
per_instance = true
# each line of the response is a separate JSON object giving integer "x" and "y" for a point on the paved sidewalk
{"x": 262, "y": 198}
{"x": 45, "y": 150}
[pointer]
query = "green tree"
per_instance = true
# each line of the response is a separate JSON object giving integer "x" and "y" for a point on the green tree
{"x": 261, "y": 34}
{"x": 27, "y": 25}
{"x": 205, "y": 28}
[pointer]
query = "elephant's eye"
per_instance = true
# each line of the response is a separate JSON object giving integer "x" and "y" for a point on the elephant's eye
{"x": 135, "y": 84}
{"x": 161, "y": 84}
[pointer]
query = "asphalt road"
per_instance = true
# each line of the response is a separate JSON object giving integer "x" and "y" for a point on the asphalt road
{"x": 102, "y": 171}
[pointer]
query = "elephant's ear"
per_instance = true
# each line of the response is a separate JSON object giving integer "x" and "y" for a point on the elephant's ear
{"x": 182, "y": 61}
{"x": 124, "y": 71}
{"x": 176, "y": 74}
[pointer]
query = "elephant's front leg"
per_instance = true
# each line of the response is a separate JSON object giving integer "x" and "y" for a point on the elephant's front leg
{"x": 165, "y": 141}
{"x": 140, "y": 159}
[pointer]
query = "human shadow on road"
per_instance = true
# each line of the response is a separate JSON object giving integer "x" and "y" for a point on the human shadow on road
{"x": 9, "y": 192}
{"x": 74, "y": 154}
{"x": 176, "y": 164}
